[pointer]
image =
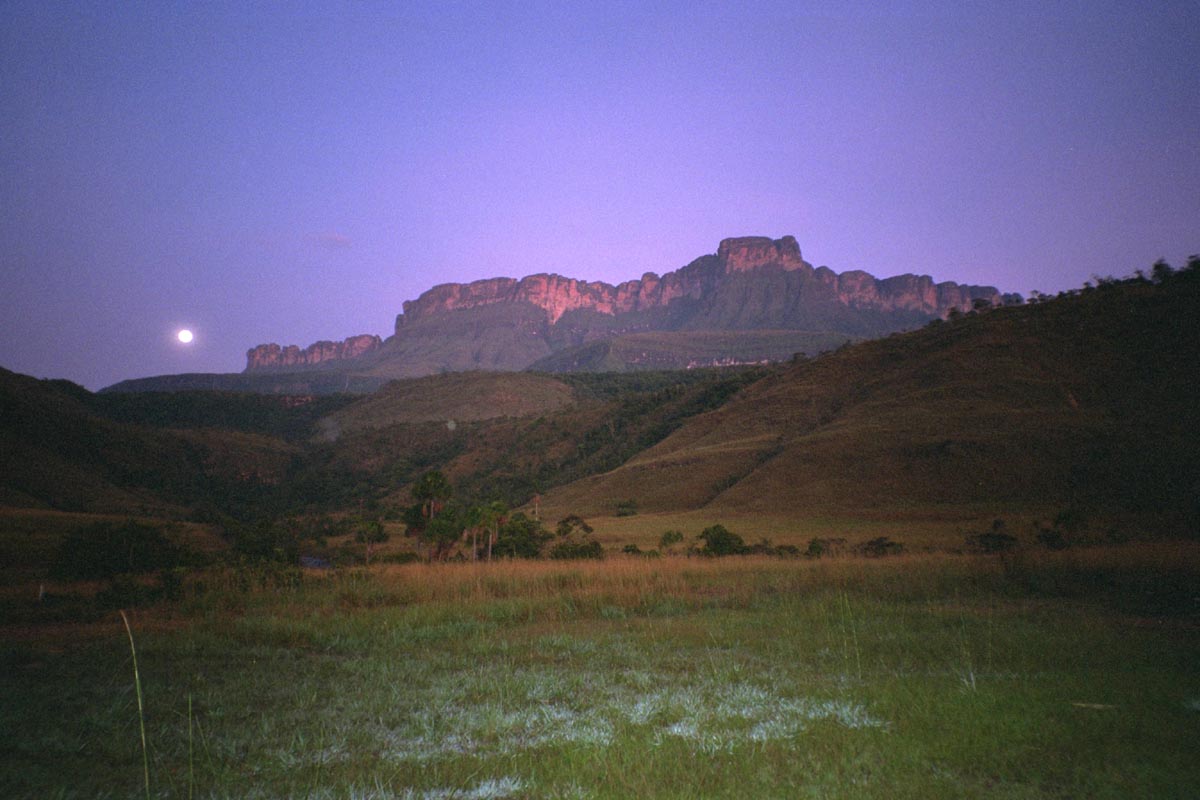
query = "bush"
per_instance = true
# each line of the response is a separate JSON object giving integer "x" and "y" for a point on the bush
{"x": 669, "y": 538}
{"x": 880, "y": 546}
{"x": 520, "y": 537}
{"x": 627, "y": 508}
{"x": 572, "y": 523}
{"x": 719, "y": 541}
{"x": 997, "y": 540}
{"x": 570, "y": 550}
{"x": 824, "y": 547}
{"x": 264, "y": 540}
{"x": 762, "y": 548}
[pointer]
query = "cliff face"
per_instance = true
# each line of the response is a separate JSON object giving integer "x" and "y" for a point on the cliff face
{"x": 750, "y": 283}
{"x": 273, "y": 356}
{"x": 557, "y": 295}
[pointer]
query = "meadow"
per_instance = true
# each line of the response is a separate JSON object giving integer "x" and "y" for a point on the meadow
{"x": 1035, "y": 674}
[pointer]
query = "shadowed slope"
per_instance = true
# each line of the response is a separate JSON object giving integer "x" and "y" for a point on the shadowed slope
{"x": 1088, "y": 399}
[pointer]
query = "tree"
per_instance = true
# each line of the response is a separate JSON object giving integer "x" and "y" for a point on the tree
{"x": 521, "y": 536}
{"x": 442, "y": 533}
{"x": 571, "y": 523}
{"x": 370, "y": 532}
{"x": 432, "y": 491}
{"x": 492, "y": 517}
{"x": 719, "y": 541}
{"x": 1161, "y": 272}
{"x": 474, "y": 521}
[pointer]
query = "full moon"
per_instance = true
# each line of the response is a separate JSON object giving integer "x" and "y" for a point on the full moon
{"x": 184, "y": 336}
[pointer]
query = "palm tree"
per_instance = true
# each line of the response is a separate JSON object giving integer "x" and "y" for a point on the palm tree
{"x": 432, "y": 490}
{"x": 495, "y": 514}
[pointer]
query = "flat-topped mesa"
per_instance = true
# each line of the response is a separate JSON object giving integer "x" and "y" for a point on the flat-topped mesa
{"x": 554, "y": 294}
{"x": 557, "y": 295}
{"x": 274, "y": 356}
{"x": 746, "y": 253}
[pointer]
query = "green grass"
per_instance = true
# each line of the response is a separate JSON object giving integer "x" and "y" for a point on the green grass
{"x": 931, "y": 676}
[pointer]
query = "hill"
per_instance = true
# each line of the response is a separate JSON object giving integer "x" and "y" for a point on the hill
{"x": 667, "y": 350}
{"x": 451, "y": 399}
{"x": 61, "y": 451}
{"x": 1087, "y": 400}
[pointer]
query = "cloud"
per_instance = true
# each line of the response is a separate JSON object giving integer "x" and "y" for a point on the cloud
{"x": 330, "y": 240}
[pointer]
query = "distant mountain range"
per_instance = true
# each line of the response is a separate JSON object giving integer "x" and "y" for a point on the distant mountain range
{"x": 755, "y": 300}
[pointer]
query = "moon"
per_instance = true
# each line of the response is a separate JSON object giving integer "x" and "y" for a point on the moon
{"x": 185, "y": 336}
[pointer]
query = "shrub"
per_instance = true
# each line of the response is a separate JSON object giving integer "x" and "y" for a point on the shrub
{"x": 569, "y": 550}
{"x": 880, "y": 546}
{"x": 669, "y": 538}
{"x": 263, "y": 539}
{"x": 824, "y": 547}
{"x": 632, "y": 549}
{"x": 997, "y": 540}
{"x": 762, "y": 548}
{"x": 572, "y": 523}
{"x": 719, "y": 541}
{"x": 627, "y": 508}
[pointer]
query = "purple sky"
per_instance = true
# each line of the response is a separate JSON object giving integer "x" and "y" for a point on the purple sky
{"x": 257, "y": 172}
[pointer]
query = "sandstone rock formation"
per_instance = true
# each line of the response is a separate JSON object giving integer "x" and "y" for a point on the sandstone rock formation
{"x": 751, "y": 283}
{"x": 273, "y": 356}
{"x": 557, "y": 295}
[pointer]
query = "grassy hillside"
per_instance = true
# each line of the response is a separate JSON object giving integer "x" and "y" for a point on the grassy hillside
{"x": 61, "y": 452}
{"x": 454, "y": 397}
{"x": 688, "y": 349}
{"x": 610, "y": 419}
{"x": 329, "y": 380}
{"x": 1085, "y": 400}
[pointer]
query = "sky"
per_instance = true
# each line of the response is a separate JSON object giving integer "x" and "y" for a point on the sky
{"x": 290, "y": 172}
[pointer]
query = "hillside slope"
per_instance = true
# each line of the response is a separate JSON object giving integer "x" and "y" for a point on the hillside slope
{"x": 453, "y": 398}
{"x": 60, "y": 451}
{"x": 1085, "y": 400}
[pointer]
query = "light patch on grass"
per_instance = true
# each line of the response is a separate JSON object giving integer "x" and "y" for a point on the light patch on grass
{"x": 465, "y": 715}
{"x": 490, "y": 789}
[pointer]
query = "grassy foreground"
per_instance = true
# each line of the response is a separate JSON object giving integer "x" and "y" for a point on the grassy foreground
{"x": 927, "y": 676}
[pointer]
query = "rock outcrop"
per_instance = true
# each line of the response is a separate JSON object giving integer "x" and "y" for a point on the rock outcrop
{"x": 557, "y": 295}
{"x": 751, "y": 283}
{"x": 274, "y": 356}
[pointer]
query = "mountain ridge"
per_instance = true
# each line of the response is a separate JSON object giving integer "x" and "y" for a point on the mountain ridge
{"x": 750, "y": 283}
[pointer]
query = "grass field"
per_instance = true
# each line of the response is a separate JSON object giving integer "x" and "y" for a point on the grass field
{"x": 1052, "y": 675}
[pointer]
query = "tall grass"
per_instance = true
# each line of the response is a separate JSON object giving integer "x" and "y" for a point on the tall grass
{"x": 914, "y": 676}
{"x": 137, "y": 683}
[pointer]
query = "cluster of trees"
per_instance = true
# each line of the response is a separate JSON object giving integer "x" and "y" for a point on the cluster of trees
{"x": 488, "y": 530}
